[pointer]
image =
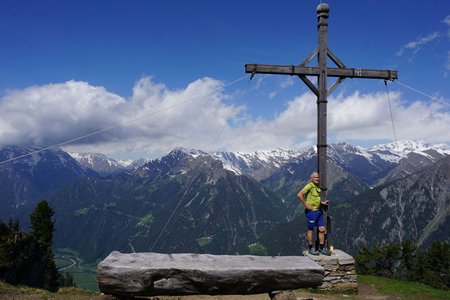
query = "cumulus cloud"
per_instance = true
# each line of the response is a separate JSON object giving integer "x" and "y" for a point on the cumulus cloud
{"x": 355, "y": 117}
{"x": 156, "y": 119}
{"x": 42, "y": 115}
{"x": 371, "y": 118}
{"x": 293, "y": 128}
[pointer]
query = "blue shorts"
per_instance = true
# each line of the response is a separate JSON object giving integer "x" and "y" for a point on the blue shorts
{"x": 314, "y": 218}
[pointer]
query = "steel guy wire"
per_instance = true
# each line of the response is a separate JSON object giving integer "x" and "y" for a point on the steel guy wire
{"x": 422, "y": 93}
{"x": 390, "y": 111}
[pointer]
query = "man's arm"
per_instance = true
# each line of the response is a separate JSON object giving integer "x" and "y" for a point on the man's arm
{"x": 301, "y": 197}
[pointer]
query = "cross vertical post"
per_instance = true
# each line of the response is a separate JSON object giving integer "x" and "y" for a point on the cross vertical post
{"x": 322, "y": 20}
{"x": 322, "y": 101}
{"x": 322, "y": 72}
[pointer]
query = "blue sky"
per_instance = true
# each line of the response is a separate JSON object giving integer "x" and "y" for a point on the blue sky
{"x": 171, "y": 74}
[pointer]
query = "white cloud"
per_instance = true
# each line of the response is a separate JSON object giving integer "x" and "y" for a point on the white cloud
{"x": 368, "y": 117}
{"x": 418, "y": 43}
{"x": 51, "y": 114}
{"x": 201, "y": 116}
{"x": 288, "y": 81}
{"x": 356, "y": 117}
{"x": 446, "y": 21}
{"x": 447, "y": 65}
{"x": 297, "y": 122}
{"x": 42, "y": 115}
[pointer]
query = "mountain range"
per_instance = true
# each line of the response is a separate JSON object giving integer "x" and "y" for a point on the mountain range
{"x": 224, "y": 202}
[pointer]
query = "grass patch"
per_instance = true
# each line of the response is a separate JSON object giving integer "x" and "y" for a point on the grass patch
{"x": 383, "y": 288}
{"x": 63, "y": 251}
{"x": 343, "y": 205}
{"x": 8, "y": 291}
{"x": 404, "y": 289}
{"x": 85, "y": 281}
{"x": 75, "y": 291}
{"x": 203, "y": 241}
{"x": 62, "y": 262}
{"x": 6, "y": 288}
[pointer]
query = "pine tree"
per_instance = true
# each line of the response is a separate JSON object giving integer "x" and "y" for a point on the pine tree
{"x": 439, "y": 265}
{"x": 67, "y": 279}
{"x": 391, "y": 257}
{"x": 42, "y": 227}
{"x": 51, "y": 280}
{"x": 408, "y": 259}
{"x": 393, "y": 260}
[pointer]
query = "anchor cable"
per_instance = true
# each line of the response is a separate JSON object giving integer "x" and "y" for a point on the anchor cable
{"x": 390, "y": 111}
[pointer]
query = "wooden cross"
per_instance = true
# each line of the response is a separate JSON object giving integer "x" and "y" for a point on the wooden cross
{"x": 322, "y": 90}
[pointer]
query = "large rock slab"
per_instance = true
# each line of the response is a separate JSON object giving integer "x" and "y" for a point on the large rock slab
{"x": 153, "y": 274}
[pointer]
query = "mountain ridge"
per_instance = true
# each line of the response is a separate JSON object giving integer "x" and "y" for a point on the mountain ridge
{"x": 261, "y": 164}
{"x": 191, "y": 200}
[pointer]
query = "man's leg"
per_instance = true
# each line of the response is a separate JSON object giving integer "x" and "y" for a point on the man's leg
{"x": 311, "y": 217}
{"x": 322, "y": 231}
{"x": 321, "y": 235}
{"x": 309, "y": 238}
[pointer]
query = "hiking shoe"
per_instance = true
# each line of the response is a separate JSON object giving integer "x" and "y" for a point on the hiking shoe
{"x": 313, "y": 252}
{"x": 325, "y": 252}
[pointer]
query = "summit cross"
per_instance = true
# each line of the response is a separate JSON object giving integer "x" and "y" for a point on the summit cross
{"x": 321, "y": 91}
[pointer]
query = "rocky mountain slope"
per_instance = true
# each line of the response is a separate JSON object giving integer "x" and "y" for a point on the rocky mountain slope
{"x": 24, "y": 181}
{"x": 416, "y": 207}
{"x": 180, "y": 203}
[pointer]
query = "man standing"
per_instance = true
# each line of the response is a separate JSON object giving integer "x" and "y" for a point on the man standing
{"x": 313, "y": 213}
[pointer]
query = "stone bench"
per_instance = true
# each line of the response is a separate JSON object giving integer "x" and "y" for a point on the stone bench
{"x": 155, "y": 274}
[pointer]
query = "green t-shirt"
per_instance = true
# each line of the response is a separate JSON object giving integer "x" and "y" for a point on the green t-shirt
{"x": 312, "y": 193}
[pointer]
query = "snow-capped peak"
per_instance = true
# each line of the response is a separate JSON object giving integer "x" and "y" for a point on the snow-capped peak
{"x": 192, "y": 152}
{"x": 245, "y": 162}
{"x": 400, "y": 149}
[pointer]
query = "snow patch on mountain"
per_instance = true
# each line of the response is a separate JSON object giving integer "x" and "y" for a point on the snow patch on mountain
{"x": 125, "y": 162}
{"x": 189, "y": 151}
{"x": 247, "y": 162}
{"x": 395, "y": 151}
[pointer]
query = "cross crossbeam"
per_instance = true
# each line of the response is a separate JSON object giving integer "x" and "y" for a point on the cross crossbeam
{"x": 303, "y": 71}
{"x": 315, "y": 71}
